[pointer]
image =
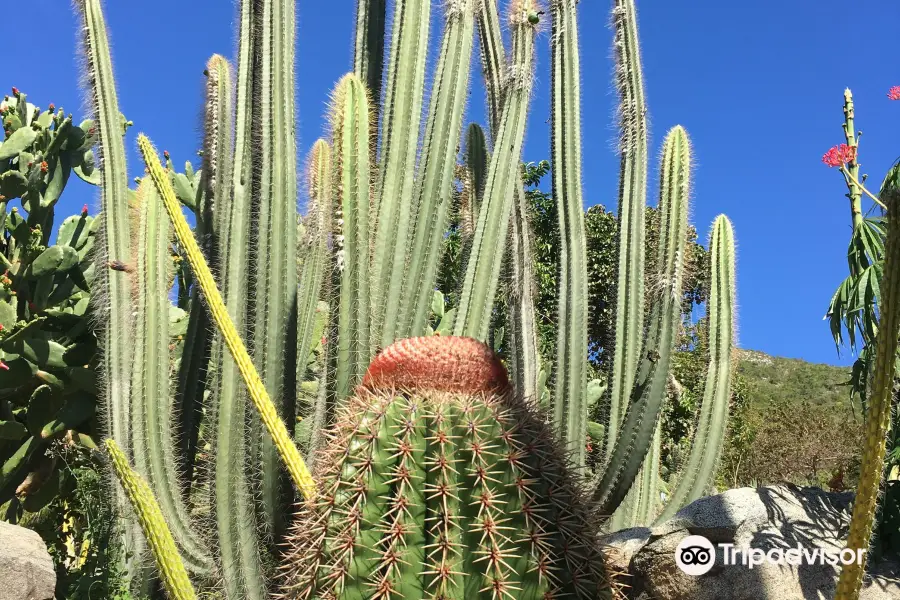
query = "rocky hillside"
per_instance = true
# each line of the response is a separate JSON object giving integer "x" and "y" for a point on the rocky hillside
{"x": 773, "y": 378}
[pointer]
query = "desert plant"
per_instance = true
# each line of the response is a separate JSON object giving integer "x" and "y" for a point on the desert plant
{"x": 374, "y": 230}
{"x": 47, "y": 378}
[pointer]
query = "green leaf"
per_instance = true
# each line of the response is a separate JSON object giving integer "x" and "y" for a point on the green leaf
{"x": 12, "y": 430}
{"x": 20, "y": 139}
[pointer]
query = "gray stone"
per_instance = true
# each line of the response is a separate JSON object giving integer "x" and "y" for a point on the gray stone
{"x": 770, "y": 518}
{"x": 26, "y": 569}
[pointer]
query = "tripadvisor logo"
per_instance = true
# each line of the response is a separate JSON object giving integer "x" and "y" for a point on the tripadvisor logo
{"x": 696, "y": 555}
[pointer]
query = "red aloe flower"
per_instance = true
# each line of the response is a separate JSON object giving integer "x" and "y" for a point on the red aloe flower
{"x": 894, "y": 93}
{"x": 839, "y": 155}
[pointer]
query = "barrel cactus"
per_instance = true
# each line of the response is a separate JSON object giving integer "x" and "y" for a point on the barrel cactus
{"x": 438, "y": 481}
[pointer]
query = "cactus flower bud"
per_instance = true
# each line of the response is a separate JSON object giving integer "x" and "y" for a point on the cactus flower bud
{"x": 44, "y": 167}
{"x": 52, "y": 107}
{"x": 4, "y": 366}
{"x": 15, "y": 91}
{"x": 84, "y": 210}
{"x": 166, "y": 154}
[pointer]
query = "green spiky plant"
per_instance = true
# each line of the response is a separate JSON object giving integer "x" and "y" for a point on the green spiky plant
{"x": 369, "y": 251}
{"x": 47, "y": 379}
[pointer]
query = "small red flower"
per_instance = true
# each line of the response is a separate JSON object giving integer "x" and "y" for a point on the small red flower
{"x": 589, "y": 448}
{"x": 894, "y": 93}
{"x": 839, "y": 155}
{"x": 44, "y": 167}
{"x": 4, "y": 366}
{"x": 84, "y": 210}
{"x": 52, "y": 107}
{"x": 15, "y": 91}
{"x": 3, "y": 110}
{"x": 166, "y": 154}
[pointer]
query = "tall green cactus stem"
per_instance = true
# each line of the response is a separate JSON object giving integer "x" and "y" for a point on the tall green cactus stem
{"x": 273, "y": 235}
{"x": 350, "y": 192}
{"x": 504, "y": 176}
{"x": 111, "y": 293}
{"x": 151, "y": 397}
{"x": 706, "y": 446}
{"x": 439, "y": 482}
{"x": 401, "y": 118}
{"x": 648, "y": 482}
{"x": 315, "y": 252}
{"x": 162, "y": 544}
{"x": 474, "y": 173}
{"x": 523, "y": 356}
{"x": 368, "y": 51}
{"x": 645, "y": 403}
{"x": 232, "y": 498}
{"x": 629, "y": 325}
{"x": 878, "y": 417}
{"x": 438, "y": 166}
{"x": 569, "y": 404}
{"x": 215, "y": 191}
{"x": 493, "y": 55}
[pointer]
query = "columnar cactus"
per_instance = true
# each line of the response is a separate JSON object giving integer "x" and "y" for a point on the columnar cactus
{"x": 439, "y": 482}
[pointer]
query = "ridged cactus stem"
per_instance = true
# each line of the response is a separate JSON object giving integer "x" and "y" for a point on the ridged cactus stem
{"x": 315, "y": 252}
{"x": 878, "y": 416}
{"x": 173, "y": 574}
{"x": 521, "y": 329}
{"x": 629, "y": 324}
{"x": 215, "y": 191}
{"x": 648, "y": 482}
{"x": 273, "y": 237}
{"x": 707, "y": 443}
{"x": 236, "y": 522}
{"x": 368, "y": 50}
{"x": 401, "y": 119}
{"x": 570, "y": 379}
{"x": 645, "y": 401}
{"x": 152, "y": 397}
{"x": 262, "y": 402}
{"x": 113, "y": 286}
{"x": 350, "y": 193}
{"x": 504, "y": 175}
{"x": 855, "y": 193}
{"x": 474, "y": 173}
{"x": 438, "y": 166}
{"x": 439, "y": 482}
{"x": 493, "y": 56}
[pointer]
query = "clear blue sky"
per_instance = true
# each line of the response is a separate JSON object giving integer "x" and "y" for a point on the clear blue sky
{"x": 758, "y": 85}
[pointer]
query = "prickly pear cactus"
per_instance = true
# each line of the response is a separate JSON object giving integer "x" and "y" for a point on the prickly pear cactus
{"x": 47, "y": 385}
{"x": 438, "y": 482}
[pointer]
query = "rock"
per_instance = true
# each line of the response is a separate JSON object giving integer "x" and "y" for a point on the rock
{"x": 26, "y": 569}
{"x": 776, "y": 519}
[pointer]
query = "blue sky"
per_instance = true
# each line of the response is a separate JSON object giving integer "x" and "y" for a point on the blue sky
{"x": 758, "y": 85}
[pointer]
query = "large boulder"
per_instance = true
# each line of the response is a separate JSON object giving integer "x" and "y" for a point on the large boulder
{"x": 26, "y": 569}
{"x": 766, "y": 519}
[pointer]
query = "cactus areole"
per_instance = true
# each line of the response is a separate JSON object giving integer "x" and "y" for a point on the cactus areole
{"x": 438, "y": 482}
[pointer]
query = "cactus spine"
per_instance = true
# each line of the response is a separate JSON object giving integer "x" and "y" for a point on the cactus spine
{"x": 485, "y": 260}
{"x": 708, "y": 440}
{"x": 440, "y": 483}
{"x": 156, "y": 531}
{"x": 632, "y": 201}
{"x": 878, "y": 415}
{"x": 569, "y": 405}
